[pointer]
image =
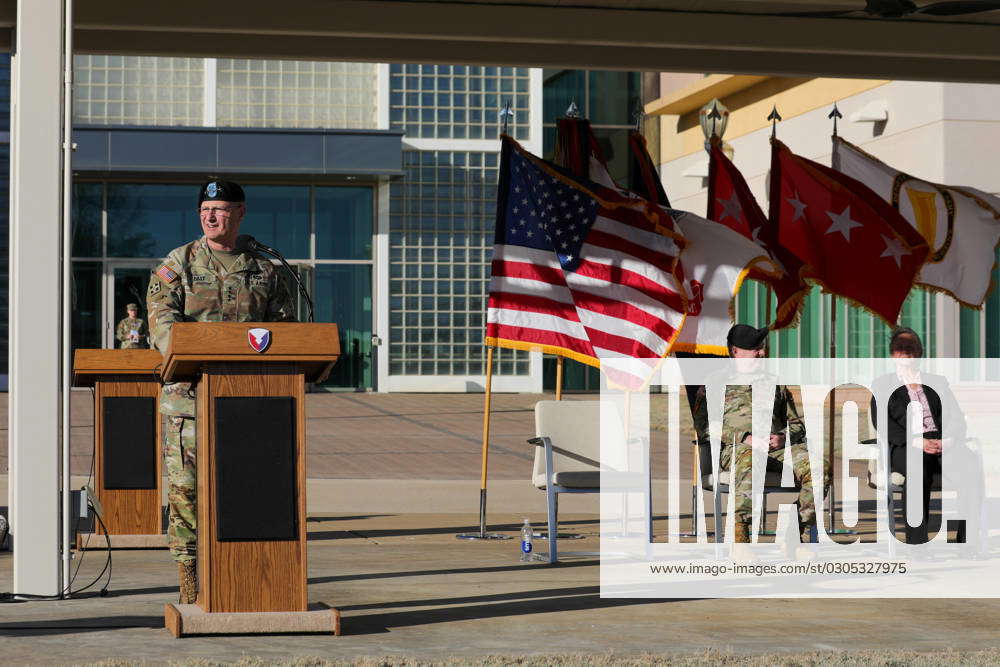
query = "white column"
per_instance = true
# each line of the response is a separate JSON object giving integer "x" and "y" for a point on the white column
{"x": 209, "y": 84}
{"x": 381, "y": 279}
{"x": 36, "y": 89}
{"x": 382, "y": 96}
{"x": 947, "y": 326}
{"x": 535, "y": 380}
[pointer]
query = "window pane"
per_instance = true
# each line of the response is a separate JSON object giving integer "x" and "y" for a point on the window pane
{"x": 561, "y": 88}
{"x": 344, "y": 222}
{"x": 991, "y": 312}
{"x": 440, "y": 237}
{"x": 614, "y": 145}
{"x": 432, "y": 109}
{"x": 86, "y": 303}
{"x": 87, "y": 220}
{"x": 151, "y": 220}
{"x": 343, "y": 295}
{"x": 278, "y": 216}
{"x": 549, "y": 143}
{"x": 614, "y": 97}
{"x": 969, "y": 339}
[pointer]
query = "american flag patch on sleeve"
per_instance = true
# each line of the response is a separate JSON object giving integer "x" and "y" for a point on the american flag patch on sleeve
{"x": 166, "y": 273}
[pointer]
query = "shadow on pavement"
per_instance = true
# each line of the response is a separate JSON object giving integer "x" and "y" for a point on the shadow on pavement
{"x": 75, "y": 625}
{"x": 404, "y": 532}
{"x": 358, "y": 517}
{"x": 497, "y": 597}
{"x": 457, "y": 570}
{"x": 511, "y": 604}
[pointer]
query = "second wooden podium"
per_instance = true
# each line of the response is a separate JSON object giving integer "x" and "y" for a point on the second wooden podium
{"x": 251, "y": 472}
{"x": 127, "y": 445}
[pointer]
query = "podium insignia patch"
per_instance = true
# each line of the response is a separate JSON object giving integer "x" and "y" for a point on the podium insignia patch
{"x": 259, "y": 339}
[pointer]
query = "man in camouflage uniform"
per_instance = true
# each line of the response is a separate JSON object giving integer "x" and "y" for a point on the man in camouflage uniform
{"x": 131, "y": 331}
{"x": 213, "y": 279}
{"x": 737, "y": 444}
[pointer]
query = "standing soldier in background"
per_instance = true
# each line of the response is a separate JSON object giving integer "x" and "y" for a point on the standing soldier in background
{"x": 131, "y": 331}
{"x": 213, "y": 279}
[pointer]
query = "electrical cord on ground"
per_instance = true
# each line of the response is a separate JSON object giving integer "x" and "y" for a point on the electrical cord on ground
{"x": 90, "y": 477}
{"x": 68, "y": 592}
{"x": 107, "y": 564}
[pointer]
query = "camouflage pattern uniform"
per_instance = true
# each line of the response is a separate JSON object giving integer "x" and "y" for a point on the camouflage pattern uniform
{"x": 193, "y": 286}
{"x": 737, "y": 423}
{"x": 124, "y": 331}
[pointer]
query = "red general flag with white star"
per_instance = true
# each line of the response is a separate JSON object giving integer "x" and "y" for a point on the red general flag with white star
{"x": 850, "y": 240}
{"x": 731, "y": 203}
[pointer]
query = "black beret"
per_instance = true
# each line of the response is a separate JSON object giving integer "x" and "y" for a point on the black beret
{"x": 219, "y": 190}
{"x": 747, "y": 337}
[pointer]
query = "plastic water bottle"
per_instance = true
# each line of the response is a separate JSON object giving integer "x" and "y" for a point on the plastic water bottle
{"x": 526, "y": 542}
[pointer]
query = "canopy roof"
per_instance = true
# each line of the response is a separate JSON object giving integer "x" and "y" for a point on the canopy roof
{"x": 734, "y": 36}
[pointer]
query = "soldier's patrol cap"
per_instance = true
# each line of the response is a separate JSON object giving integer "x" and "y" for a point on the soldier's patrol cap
{"x": 132, "y": 306}
{"x": 219, "y": 190}
{"x": 747, "y": 337}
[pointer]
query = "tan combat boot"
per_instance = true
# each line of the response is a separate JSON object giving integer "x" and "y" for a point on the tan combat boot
{"x": 741, "y": 551}
{"x": 189, "y": 582}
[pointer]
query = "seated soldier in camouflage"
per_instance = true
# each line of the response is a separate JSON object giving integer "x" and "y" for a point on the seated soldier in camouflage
{"x": 737, "y": 444}
{"x": 212, "y": 279}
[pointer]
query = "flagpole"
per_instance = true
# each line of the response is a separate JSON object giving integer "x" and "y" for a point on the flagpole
{"x": 831, "y": 429}
{"x": 486, "y": 441}
{"x": 560, "y": 364}
{"x": 505, "y": 115}
{"x": 482, "y": 534}
{"x": 767, "y": 304}
{"x": 831, "y": 432}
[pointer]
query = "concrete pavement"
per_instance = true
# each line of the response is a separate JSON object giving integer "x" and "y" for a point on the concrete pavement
{"x": 392, "y": 479}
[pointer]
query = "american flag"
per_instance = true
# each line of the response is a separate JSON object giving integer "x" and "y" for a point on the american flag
{"x": 579, "y": 270}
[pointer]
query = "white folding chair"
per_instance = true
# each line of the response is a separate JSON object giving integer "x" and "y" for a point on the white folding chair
{"x": 567, "y": 459}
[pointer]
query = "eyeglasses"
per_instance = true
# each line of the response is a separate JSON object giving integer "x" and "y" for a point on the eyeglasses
{"x": 219, "y": 210}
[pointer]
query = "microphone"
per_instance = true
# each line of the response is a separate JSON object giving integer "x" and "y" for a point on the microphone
{"x": 254, "y": 244}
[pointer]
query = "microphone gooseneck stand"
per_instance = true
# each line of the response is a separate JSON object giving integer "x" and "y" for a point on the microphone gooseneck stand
{"x": 254, "y": 244}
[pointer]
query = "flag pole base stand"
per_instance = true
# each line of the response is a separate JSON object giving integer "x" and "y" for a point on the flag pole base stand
{"x": 482, "y": 536}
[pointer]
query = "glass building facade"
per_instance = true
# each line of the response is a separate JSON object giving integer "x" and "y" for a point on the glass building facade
{"x": 458, "y": 101}
{"x": 440, "y": 247}
{"x": 400, "y": 263}
{"x": 122, "y": 230}
{"x": 609, "y": 100}
{"x": 288, "y": 93}
{"x": 858, "y": 332}
{"x": 442, "y": 216}
{"x": 133, "y": 90}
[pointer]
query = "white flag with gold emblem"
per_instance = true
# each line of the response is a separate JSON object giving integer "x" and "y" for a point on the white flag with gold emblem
{"x": 961, "y": 225}
{"x": 715, "y": 261}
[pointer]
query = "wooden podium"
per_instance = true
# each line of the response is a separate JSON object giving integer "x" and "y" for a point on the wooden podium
{"x": 251, "y": 472}
{"x": 127, "y": 468}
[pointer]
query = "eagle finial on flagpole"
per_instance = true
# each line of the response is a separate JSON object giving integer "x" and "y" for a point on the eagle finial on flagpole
{"x": 715, "y": 116}
{"x": 572, "y": 111}
{"x": 774, "y": 117}
{"x": 835, "y": 114}
{"x": 506, "y": 115}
